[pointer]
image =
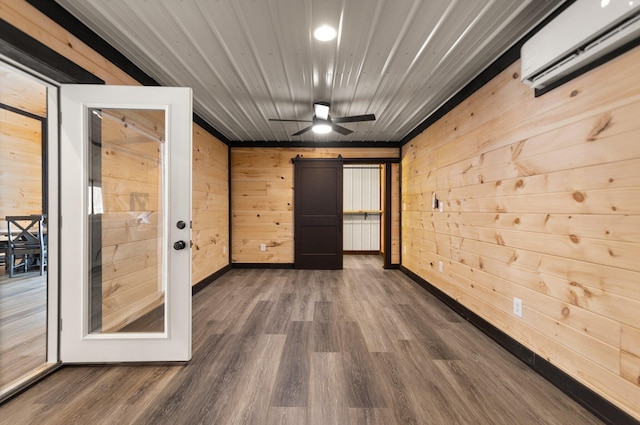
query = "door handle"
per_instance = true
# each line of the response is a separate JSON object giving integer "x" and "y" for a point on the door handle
{"x": 181, "y": 224}
{"x": 179, "y": 245}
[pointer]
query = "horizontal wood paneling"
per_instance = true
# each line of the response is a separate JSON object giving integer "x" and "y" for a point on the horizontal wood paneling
{"x": 22, "y": 92}
{"x": 210, "y": 160}
{"x": 541, "y": 202}
{"x": 210, "y": 206}
{"x": 262, "y": 198}
{"x": 395, "y": 213}
{"x": 20, "y": 165}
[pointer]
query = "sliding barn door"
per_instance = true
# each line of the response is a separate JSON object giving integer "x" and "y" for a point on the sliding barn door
{"x": 318, "y": 214}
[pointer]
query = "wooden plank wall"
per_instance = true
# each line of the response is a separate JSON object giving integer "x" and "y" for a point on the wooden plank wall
{"x": 21, "y": 145}
{"x": 541, "y": 202}
{"x": 210, "y": 157}
{"x": 395, "y": 214}
{"x": 210, "y": 213}
{"x": 262, "y": 198}
{"x": 20, "y": 165}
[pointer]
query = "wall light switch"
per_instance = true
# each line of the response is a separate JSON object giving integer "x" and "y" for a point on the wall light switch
{"x": 517, "y": 307}
{"x": 224, "y": 249}
{"x": 440, "y": 266}
{"x": 263, "y": 247}
{"x": 441, "y": 206}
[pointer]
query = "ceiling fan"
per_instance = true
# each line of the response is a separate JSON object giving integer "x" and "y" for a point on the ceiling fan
{"x": 322, "y": 122}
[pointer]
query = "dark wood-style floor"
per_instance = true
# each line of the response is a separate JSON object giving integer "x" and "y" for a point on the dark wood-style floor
{"x": 23, "y": 325}
{"x": 357, "y": 346}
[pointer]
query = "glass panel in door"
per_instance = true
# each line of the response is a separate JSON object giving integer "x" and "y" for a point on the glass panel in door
{"x": 24, "y": 280}
{"x": 126, "y": 284}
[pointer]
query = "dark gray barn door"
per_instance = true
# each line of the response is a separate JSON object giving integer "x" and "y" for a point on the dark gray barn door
{"x": 318, "y": 214}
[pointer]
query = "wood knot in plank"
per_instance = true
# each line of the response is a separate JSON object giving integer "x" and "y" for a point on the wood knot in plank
{"x": 515, "y": 75}
{"x": 579, "y": 196}
{"x": 519, "y": 184}
{"x": 573, "y": 298}
{"x": 566, "y": 312}
{"x": 603, "y": 124}
{"x": 516, "y": 221}
{"x": 574, "y": 238}
{"x": 574, "y": 93}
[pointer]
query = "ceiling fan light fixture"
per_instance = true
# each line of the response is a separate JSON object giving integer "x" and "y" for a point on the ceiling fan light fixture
{"x": 321, "y": 128}
{"x": 321, "y": 110}
{"x": 325, "y": 33}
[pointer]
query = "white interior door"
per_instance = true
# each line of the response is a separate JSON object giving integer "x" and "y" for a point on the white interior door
{"x": 125, "y": 223}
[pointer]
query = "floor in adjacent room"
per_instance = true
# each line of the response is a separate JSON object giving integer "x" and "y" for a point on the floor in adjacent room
{"x": 358, "y": 346}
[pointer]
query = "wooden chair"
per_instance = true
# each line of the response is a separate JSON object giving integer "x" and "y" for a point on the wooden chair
{"x": 26, "y": 243}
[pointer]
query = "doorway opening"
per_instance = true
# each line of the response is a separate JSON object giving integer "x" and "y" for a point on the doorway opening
{"x": 371, "y": 215}
{"x": 362, "y": 209}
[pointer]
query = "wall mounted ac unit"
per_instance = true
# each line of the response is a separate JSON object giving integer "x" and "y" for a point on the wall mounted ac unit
{"x": 579, "y": 35}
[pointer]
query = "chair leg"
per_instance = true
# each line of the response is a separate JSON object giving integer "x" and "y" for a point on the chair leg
{"x": 12, "y": 261}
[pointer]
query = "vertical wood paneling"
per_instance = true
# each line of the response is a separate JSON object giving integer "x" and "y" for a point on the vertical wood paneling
{"x": 541, "y": 202}
{"x": 262, "y": 198}
{"x": 210, "y": 159}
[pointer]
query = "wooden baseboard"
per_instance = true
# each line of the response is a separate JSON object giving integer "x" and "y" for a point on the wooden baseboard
{"x": 606, "y": 411}
{"x": 262, "y": 266}
{"x": 207, "y": 280}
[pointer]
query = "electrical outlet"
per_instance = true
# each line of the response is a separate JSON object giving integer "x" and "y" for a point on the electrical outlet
{"x": 224, "y": 249}
{"x": 517, "y": 307}
{"x": 263, "y": 247}
{"x": 441, "y": 206}
{"x": 404, "y": 206}
{"x": 440, "y": 266}
{"x": 404, "y": 249}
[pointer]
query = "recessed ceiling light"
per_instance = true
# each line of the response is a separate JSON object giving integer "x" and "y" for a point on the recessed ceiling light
{"x": 325, "y": 33}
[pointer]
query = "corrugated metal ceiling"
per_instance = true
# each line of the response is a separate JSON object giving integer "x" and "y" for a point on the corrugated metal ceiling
{"x": 251, "y": 60}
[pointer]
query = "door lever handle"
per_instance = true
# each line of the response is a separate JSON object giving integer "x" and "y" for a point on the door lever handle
{"x": 179, "y": 245}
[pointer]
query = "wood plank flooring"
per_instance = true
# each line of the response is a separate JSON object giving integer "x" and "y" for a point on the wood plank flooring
{"x": 358, "y": 346}
{"x": 23, "y": 324}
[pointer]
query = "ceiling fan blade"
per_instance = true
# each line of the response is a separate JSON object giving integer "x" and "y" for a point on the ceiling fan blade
{"x": 304, "y": 130}
{"x": 277, "y": 119}
{"x": 355, "y": 118}
{"x": 340, "y": 129}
